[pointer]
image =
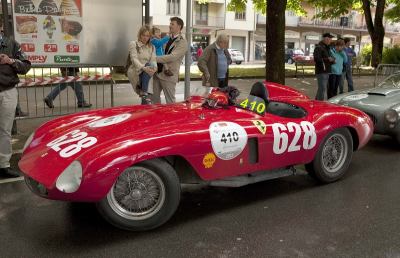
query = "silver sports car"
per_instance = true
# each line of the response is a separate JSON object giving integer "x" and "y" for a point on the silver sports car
{"x": 381, "y": 103}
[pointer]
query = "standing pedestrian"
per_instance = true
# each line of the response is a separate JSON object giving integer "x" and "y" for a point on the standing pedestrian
{"x": 12, "y": 63}
{"x": 143, "y": 67}
{"x": 323, "y": 62}
{"x": 174, "y": 52}
{"x": 215, "y": 61}
{"x": 199, "y": 51}
{"x": 348, "y": 70}
{"x": 76, "y": 86}
{"x": 336, "y": 68}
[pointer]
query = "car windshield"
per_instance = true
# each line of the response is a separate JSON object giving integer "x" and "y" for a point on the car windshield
{"x": 254, "y": 104}
{"x": 392, "y": 81}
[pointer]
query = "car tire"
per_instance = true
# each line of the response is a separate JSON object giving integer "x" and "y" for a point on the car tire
{"x": 290, "y": 61}
{"x": 333, "y": 157}
{"x": 146, "y": 202}
{"x": 238, "y": 62}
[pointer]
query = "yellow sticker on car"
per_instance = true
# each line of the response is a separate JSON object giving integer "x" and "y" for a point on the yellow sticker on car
{"x": 260, "y": 126}
{"x": 209, "y": 160}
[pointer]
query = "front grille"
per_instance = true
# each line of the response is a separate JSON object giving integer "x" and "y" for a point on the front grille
{"x": 36, "y": 187}
{"x": 373, "y": 118}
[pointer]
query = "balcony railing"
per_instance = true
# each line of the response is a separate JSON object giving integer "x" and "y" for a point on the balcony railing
{"x": 335, "y": 23}
{"x": 332, "y": 23}
{"x": 210, "y": 21}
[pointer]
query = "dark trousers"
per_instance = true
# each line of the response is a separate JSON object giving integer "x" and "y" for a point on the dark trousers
{"x": 333, "y": 84}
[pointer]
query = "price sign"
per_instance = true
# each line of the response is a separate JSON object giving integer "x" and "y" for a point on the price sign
{"x": 28, "y": 47}
{"x": 50, "y": 48}
{"x": 72, "y": 48}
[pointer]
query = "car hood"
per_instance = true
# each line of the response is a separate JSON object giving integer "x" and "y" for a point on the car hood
{"x": 375, "y": 98}
{"x": 46, "y": 156}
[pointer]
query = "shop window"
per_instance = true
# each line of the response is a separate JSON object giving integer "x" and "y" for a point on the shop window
{"x": 173, "y": 7}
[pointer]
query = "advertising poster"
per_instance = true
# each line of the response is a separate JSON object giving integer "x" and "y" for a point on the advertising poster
{"x": 49, "y": 31}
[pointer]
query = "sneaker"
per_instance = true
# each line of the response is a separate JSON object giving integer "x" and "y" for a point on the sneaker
{"x": 146, "y": 100}
{"x": 84, "y": 105}
{"x": 9, "y": 172}
{"x": 48, "y": 102}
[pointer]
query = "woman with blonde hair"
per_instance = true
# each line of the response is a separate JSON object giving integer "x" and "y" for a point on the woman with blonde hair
{"x": 143, "y": 57}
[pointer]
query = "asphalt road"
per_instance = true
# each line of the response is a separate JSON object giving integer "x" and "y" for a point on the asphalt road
{"x": 357, "y": 216}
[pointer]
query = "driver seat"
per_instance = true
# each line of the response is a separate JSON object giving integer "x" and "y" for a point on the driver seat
{"x": 259, "y": 90}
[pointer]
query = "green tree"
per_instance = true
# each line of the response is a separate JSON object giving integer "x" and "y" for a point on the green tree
{"x": 374, "y": 24}
{"x": 275, "y": 27}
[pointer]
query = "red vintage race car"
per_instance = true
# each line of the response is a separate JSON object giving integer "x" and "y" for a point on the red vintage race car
{"x": 132, "y": 160}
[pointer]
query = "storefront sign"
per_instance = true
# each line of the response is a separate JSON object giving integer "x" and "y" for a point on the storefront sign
{"x": 49, "y": 31}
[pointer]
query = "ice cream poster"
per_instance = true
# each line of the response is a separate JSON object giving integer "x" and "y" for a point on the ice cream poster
{"x": 49, "y": 31}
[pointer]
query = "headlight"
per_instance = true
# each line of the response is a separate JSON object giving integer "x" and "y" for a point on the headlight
{"x": 28, "y": 142}
{"x": 391, "y": 116}
{"x": 71, "y": 178}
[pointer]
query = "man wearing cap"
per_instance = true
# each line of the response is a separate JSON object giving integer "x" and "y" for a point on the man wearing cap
{"x": 323, "y": 62}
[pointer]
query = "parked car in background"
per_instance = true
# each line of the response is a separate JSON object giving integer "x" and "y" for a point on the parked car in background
{"x": 236, "y": 55}
{"x": 291, "y": 55}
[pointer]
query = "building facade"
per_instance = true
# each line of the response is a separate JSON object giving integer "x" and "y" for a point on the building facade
{"x": 208, "y": 20}
{"x": 305, "y": 32}
{"x": 247, "y": 30}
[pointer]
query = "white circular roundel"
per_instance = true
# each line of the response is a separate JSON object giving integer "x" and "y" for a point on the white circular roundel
{"x": 356, "y": 97}
{"x": 227, "y": 139}
{"x": 112, "y": 120}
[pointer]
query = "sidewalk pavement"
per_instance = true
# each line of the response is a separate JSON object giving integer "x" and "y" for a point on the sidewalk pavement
{"x": 124, "y": 95}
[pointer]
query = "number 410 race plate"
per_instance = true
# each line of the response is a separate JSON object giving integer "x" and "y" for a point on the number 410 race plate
{"x": 227, "y": 139}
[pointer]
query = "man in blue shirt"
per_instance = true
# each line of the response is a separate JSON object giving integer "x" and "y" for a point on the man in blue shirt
{"x": 347, "y": 69}
{"x": 214, "y": 63}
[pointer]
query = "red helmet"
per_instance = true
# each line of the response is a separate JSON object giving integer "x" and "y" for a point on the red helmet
{"x": 217, "y": 98}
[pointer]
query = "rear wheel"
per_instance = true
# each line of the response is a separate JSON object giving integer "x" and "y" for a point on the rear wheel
{"x": 238, "y": 62}
{"x": 333, "y": 157}
{"x": 143, "y": 197}
{"x": 290, "y": 61}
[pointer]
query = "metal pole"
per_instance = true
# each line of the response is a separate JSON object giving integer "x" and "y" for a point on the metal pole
{"x": 6, "y": 24}
{"x": 147, "y": 12}
{"x": 188, "y": 57}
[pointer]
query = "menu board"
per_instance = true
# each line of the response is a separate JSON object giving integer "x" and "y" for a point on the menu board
{"x": 49, "y": 31}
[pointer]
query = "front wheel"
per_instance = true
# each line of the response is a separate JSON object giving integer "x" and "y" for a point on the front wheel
{"x": 333, "y": 157}
{"x": 238, "y": 62}
{"x": 143, "y": 197}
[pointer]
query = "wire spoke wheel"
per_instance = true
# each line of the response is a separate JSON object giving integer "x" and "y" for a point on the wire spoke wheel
{"x": 333, "y": 156}
{"x": 138, "y": 194}
{"x": 334, "y": 153}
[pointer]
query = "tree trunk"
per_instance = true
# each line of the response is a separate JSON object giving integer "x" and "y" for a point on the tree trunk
{"x": 375, "y": 29}
{"x": 275, "y": 41}
{"x": 377, "y": 46}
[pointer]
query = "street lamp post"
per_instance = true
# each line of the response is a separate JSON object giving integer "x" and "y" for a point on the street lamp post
{"x": 188, "y": 56}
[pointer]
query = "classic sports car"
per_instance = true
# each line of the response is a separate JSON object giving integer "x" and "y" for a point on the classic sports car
{"x": 382, "y": 104}
{"x": 132, "y": 160}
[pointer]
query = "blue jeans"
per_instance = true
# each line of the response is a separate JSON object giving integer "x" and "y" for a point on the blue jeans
{"x": 322, "y": 80}
{"x": 349, "y": 78}
{"x": 144, "y": 79}
{"x": 76, "y": 86}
